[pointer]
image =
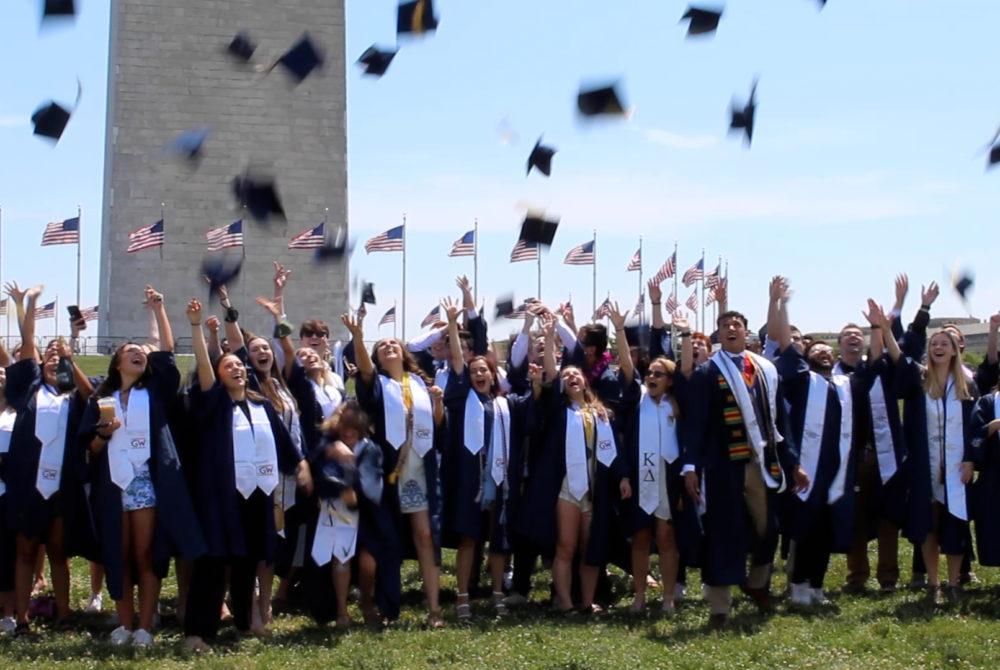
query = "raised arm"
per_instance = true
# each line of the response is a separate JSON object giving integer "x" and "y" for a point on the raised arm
{"x": 206, "y": 375}
{"x": 778, "y": 328}
{"x": 991, "y": 339}
{"x": 154, "y": 300}
{"x": 5, "y": 359}
{"x": 452, "y": 311}
{"x": 549, "y": 353}
{"x": 28, "y": 349}
{"x": 84, "y": 389}
{"x": 683, "y": 329}
{"x": 366, "y": 369}
{"x": 284, "y": 339}
{"x": 17, "y": 297}
{"x": 214, "y": 348}
{"x": 656, "y": 300}
{"x": 566, "y": 312}
{"x": 233, "y": 333}
{"x": 625, "y": 364}
{"x": 879, "y": 320}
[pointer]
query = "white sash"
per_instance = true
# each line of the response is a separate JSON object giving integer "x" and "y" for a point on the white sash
{"x": 755, "y": 434}
{"x": 945, "y": 425}
{"x": 336, "y": 532}
{"x": 657, "y": 441}
{"x": 6, "y": 428}
{"x": 255, "y": 456}
{"x": 328, "y": 398}
{"x": 576, "y": 449}
{"x": 843, "y": 388}
{"x": 812, "y": 430}
{"x": 51, "y": 419}
{"x": 501, "y": 440}
{"x": 881, "y": 431}
{"x": 129, "y": 446}
{"x": 395, "y": 414}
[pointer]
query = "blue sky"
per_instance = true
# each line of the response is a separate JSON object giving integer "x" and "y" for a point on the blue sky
{"x": 865, "y": 159}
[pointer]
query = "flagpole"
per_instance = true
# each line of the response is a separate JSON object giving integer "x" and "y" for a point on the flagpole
{"x": 79, "y": 238}
{"x": 594, "y": 301}
{"x": 475, "y": 262}
{"x": 641, "y": 314}
{"x": 673, "y": 338}
{"x": 7, "y": 342}
{"x": 394, "y": 320}
{"x": 715, "y": 303}
{"x": 701, "y": 302}
{"x": 538, "y": 258}
{"x": 403, "y": 314}
{"x": 55, "y": 316}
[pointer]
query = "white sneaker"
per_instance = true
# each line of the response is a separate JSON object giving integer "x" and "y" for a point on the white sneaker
{"x": 142, "y": 638}
{"x": 7, "y": 624}
{"x": 817, "y": 597}
{"x": 680, "y": 590}
{"x": 120, "y": 636}
{"x": 95, "y": 605}
{"x": 508, "y": 580}
{"x": 801, "y": 595}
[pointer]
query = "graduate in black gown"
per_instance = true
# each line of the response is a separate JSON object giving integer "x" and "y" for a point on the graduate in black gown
{"x": 242, "y": 447}
{"x": 481, "y": 464}
{"x": 8, "y": 540}
{"x": 406, "y": 418}
{"x": 986, "y": 442}
{"x": 45, "y": 468}
{"x": 140, "y": 502}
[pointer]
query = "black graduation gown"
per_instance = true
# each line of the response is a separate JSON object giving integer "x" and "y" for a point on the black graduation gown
{"x": 176, "y": 532}
{"x": 385, "y": 531}
{"x": 536, "y": 517}
{"x": 27, "y": 512}
{"x": 462, "y": 472}
{"x": 986, "y": 510}
{"x": 310, "y": 412}
{"x": 219, "y": 506}
{"x": 804, "y": 515}
{"x": 727, "y": 534}
{"x": 953, "y": 536}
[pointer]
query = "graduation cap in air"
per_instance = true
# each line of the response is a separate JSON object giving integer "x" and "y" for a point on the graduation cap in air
{"x": 259, "y": 195}
{"x": 416, "y": 17}
{"x": 541, "y": 158}
{"x": 336, "y": 245}
{"x": 994, "y": 150}
{"x": 376, "y": 61}
{"x": 538, "y": 230}
{"x": 701, "y": 20}
{"x": 241, "y": 47}
{"x": 58, "y": 8}
{"x": 504, "y": 306}
{"x": 220, "y": 270}
{"x": 301, "y": 59}
{"x": 962, "y": 281}
{"x": 600, "y": 101}
{"x": 368, "y": 293}
{"x": 51, "y": 118}
{"x": 742, "y": 118}
{"x": 188, "y": 144}
{"x": 638, "y": 335}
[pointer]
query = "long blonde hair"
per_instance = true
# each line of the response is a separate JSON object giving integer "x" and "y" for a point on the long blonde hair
{"x": 933, "y": 387}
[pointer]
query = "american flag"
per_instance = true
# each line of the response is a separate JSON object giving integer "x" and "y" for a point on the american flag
{"x": 713, "y": 294}
{"x": 694, "y": 273}
{"x": 433, "y": 316}
{"x": 225, "y": 236}
{"x": 602, "y": 310}
{"x": 46, "y": 311}
{"x": 712, "y": 278}
{"x": 668, "y": 270}
{"x": 524, "y": 251}
{"x": 310, "y": 238}
{"x": 390, "y": 240}
{"x": 581, "y": 254}
{"x": 3, "y": 307}
{"x": 62, "y": 232}
{"x": 465, "y": 245}
{"x": 146, "y": 237}
{"x": 672, "y": 303}
{"x": 692, "y": 302}
{"x": 89, "y": 314}
{"x": 636, "y": 262}
{"x": 388, "y": 317}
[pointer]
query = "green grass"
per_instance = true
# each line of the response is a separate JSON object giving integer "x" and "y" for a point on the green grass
{"x": 896, "y": 631}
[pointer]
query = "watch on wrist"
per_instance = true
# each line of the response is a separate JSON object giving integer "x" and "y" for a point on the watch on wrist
{"x": 231, "y": 315}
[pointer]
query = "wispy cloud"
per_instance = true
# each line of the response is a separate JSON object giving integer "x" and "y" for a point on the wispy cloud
{"x": 674, "y": 140}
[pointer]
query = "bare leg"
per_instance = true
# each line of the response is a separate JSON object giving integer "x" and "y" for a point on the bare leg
{"x": 366, "y": 584}
{"x": 464, "y": 558}
{"x": 954, "y": 568}
{"x": 342, "y": 584}
{"x": 265, "y": 580}
{"x": 588, "y": 573}
{"x": 932, "y": 556}
{"x": 24, "y": 575}
{"x": 183, "y": 585}
{"x": 59, "y": 564}
{"x": 567, "y": 530}
{"x": 669, "y": 561}
{"x": 641, "y": 542}
{"x": 420, "y": 525}
{"x": 143, "y": 522}
{"x": 125, "y": 607}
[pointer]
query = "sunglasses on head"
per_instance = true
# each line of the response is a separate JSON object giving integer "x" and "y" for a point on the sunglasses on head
{"x": 314, "y": 333}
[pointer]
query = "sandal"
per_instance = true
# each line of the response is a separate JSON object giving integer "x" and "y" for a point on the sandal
{"x": 463, "y": 610}
{"x": 499, "y": 606}
{"x": 435, "y": 619}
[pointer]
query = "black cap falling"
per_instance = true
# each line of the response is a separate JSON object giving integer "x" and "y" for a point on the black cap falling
{"x": 702, "y": 20}
{"x": 962, "y": 281}
{"x": 241, "y": 47}
{"x": 600, "y": 101}
{"x": 301, "y": 59}
{"x": 538, "y": 230}
{"x": 416, "y": 17}
{"x": 504, "y": 306}
{"x": 259, "y": 195}
{"x": 50, "y": 120}
{"x": 742, "y": 118}
{"x": 376, "y": 61}
{"x": 541, "y": 158}
{"x": 220, "y": 270}
{"x": 188, "y": 145}
{"x": 368, "y": 293}
{"x": 58, "y": 8}
{"x": 337, "y": 245}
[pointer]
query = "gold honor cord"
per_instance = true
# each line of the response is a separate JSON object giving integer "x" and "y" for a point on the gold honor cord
{"x": 417, "y": 22}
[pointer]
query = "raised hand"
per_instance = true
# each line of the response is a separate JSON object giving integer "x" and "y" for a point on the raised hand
{"x": 680, "y": 321}
{"x": 654, "y": 291}
{"x": 281, "y": 276}
{"x": 875, "y": 315}
{"x": 902, "y": 288}
{"x": 353, "y": 325}
{"x": 930, "y": 294}
{"x": 212, "y": 323}
{"x": 535, "y": 373}
{"x": 451, "y": 309}
{"x": 468, "y": 302}
{"x": 779, "y": 291}
{"x": 193, "y": 312}
{"x": 616, "y": 317}
{"x": 271, "y": 306}
{"x": 435, "y": 392}
{"x": 34, "y": 291}
{"x": 995, "y": 322}
{"x": 14, "y": 291}
{"x": 152, "y": 297}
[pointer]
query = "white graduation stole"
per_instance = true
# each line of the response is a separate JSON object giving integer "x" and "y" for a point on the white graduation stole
{"x": 51, "y": 419}
{"x": 336, "y": 532}
{"x": 576, "y": 448}
{"x": 328, "y": 398}
{"x": 843, "y": 388}
{"x": 395, "y": 412}
{"x": 812, "y": 430}
{"x": 657, "y": 441}
{"x": 474, "y": 430}
{"x": 882, "y": 432}
{"x": 129, "y": 446}
{"x": 255, "y": 456}
{"x": 6, "y": 428}
{"x": 945, "y": 426}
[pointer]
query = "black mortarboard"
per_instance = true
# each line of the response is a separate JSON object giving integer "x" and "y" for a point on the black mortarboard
{"x": 51, "y": 8}
{"x": 241, "y": 47}
{"x": 638, "y": 335}
{"x": 301, "y": 59}
{"x": 368, "y": 293}
{"x": 541, "y": 158}
{"x": 259, "y": 196}
{"x": 962, "y": 281}
{"x": 538, "y": 230}
{"x": 416, "y": 17}
{"x": 994, "y": 156}
{"x": 376, "y": 61}
{"x": 336, "y": 244}
{"x": 702, "y": 20}
{"x": 598, "y": 101}
{"x": 504, "y": 306}
{"x": 220, "y": 270}
{"x": 50, "y": 120}
{"x": 742, "y": 119}
{"x": 188, "y": 144}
